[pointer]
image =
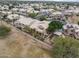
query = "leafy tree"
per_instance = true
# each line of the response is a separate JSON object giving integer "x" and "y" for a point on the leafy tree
{"x": 65, "y": 47}
{"x": 32, "y": 15}
{"x": 54, "y": 25}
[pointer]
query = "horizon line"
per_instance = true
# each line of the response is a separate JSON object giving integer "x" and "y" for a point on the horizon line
{"x": 43, "y": 0}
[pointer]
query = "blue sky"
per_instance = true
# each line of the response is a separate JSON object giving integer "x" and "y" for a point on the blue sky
{"x": 52, "y": 0}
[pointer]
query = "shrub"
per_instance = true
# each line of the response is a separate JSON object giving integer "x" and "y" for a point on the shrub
{"x": 65, "y": 47}
{"x": 4, "y": 30}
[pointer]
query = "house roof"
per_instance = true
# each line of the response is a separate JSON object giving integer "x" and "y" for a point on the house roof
{"x": 12, "y": 16}
{"x": 77, "y": 30}
{"x": 15, "y": 9}
{"x": 25, "y": 21}
{"x": 39, "y": 26}
{"x": 57, "y": 13}
{"x": 75, "y": 26}
{"x": 6, "y": 12}
{"x": 22, "y": 10}
{"x": 58, "y": 33}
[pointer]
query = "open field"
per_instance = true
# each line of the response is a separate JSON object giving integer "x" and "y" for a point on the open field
{"x": 19, "y": 45}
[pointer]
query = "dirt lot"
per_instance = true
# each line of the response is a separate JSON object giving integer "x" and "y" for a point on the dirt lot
{"x": 74, "y": 19}
{"x": 18, "y": 45}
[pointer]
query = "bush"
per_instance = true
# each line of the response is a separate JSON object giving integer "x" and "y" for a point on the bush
{"x": 65, "y": 48}
{"x": 4, "y": 30}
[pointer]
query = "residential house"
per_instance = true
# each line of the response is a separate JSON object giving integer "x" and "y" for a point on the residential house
{"x": 13, "y": 17}
{"x": 71, "y": 30}
{"x": 39, "y": 26}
